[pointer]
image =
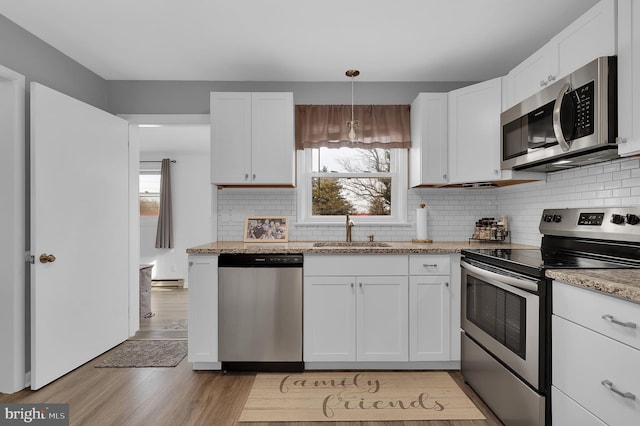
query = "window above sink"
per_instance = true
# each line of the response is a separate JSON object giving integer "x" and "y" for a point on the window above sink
{"x": 365, "y": 183}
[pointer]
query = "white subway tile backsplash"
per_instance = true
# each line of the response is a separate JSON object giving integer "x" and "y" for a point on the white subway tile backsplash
{"x": 633, "y": 163}
{"x": 452, "y": 212}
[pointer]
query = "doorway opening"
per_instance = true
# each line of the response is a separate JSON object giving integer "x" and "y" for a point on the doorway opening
{"x": 165, "y": 315}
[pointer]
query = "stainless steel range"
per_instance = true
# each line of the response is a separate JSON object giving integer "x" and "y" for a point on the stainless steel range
{"x": 506, "y": 304}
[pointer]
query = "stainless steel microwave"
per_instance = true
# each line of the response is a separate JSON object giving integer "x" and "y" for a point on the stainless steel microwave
{"x": 570, "y": 123}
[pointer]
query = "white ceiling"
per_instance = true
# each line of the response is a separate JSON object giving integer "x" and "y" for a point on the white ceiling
{"x": 296, "y": 40}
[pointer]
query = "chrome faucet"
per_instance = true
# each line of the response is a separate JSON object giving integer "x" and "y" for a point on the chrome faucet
{"x": 349, "y": 225}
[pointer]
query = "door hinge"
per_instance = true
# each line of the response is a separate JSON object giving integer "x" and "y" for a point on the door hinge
{"x": 29, "y": 258}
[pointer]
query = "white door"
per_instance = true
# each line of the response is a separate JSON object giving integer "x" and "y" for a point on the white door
{"x": 230, "y": 138}
{"x": 429, "y": 318}
{"x": 79, "y": 214}
{"x": 273, "y": 144}
{"x": 474, "y": 132}
{"x": 382, "y": 325}
{"x": 329, "y": 319}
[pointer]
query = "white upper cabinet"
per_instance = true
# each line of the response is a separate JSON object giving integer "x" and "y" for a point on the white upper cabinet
{"x": 429, "y": 140}
{"x": 530, "y": 76}
{"x": 252, "y": 139}
{"x": 629, "y": 77}
{"x": 474, "y": 132}
{"x": 591, "y": 35}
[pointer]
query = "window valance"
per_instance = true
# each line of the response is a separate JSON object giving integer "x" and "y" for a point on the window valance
{"x": 380, "y": 126}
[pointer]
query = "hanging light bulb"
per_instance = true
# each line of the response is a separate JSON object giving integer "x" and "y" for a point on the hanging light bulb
{"x": 353, "y": 124}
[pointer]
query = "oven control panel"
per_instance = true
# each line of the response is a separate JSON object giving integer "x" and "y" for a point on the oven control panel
{"x": 606, "y": 223}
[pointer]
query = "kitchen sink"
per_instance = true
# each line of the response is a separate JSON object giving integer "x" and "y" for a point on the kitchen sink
{"x": 350, "y": 244}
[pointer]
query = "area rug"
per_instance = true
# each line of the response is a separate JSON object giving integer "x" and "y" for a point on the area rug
{"x": 145, "y": 353}
{"x": 180, "y": 324}
{"x": 357, "y": 396}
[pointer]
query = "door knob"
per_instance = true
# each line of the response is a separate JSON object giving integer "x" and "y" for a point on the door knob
{"x": 47, "y": 258}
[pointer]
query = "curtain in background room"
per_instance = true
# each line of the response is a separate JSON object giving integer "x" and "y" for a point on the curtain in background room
{"x": 380, "y": 126}
{"x": 164, "y": 235}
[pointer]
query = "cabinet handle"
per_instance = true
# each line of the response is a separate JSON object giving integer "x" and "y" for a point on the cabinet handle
{"x": 360, "y": 284}
{"x": 543, "y": 83}
{"x": 611, "y": 318}
{"x": 254, "y": 176}
{"x": 246, "y": 176}
{"x": 496, "y": 171}
{"x": 427, "y": 265}
{"x": 444, "y": 176}
{"x": 551, "y": 78}
{"x": 446, "y": 284}
{"x": 190, "y": 263}
{"x": 351, "y": 285}
{"x": 609, "y": 385}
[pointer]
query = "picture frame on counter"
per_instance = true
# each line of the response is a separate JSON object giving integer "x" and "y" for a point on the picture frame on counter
{"x": 266, "y": 229}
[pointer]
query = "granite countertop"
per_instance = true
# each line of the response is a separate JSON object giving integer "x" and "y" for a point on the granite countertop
{"x": 307, "y": 247}
{"x": 623, "y": 283}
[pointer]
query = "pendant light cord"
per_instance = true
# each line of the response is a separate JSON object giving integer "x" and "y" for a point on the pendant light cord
{"x": 351, "y": 99}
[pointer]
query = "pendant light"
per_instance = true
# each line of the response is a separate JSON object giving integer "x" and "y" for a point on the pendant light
{"x": 353, "y": 124}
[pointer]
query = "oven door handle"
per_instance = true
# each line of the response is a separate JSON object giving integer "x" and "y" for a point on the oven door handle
{"x": 515, "y": 282}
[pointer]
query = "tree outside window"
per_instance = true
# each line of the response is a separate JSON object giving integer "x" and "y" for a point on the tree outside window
{"x": 356, "y": 181}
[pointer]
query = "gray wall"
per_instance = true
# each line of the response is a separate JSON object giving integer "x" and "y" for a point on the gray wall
{"x": 26, "y": 54}
{"x": 192, "y": 97}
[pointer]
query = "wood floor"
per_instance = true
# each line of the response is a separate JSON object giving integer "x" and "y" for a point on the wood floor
{"x": 168, "y": 305}
{"x": 173, "y": 396}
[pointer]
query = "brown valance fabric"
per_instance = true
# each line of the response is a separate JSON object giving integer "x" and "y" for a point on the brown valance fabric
{"x": 380, "y": 126}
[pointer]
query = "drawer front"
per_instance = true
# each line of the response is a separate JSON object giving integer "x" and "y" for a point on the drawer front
{"x": 565, "y": 411}
{"x": 353, "y": 264}
{"x": 613, "y": 317}
{"x": 430, "y": 265}
{"x": 588, "y": 367}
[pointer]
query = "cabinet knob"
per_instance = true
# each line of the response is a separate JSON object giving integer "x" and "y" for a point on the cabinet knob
{"x": 551, "y": 77}
{"x": 496, "y": 171}
{"x": 351, "y": 285}
{"x": 246, "y": 176}
{"x": 360, "y": 284}
{"x": 543, "y": 83}
{"x": 621, "y": 140}
{"x": 444, "y": 176}
{"x": 254, "y": 176}
{"x": 446, "y": 284}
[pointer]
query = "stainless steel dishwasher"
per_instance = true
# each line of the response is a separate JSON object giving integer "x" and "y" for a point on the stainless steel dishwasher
{"x": 260, "y": 312}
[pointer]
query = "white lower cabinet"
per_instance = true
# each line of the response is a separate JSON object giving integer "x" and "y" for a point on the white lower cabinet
{"x": 429, "y": 318}
{"x": 380, "y": 308}
{"x": 356, "y": 308}
{"x": 203, "y": 311}
{"x": 329, "y": 319}
{"x": 382, "y": 318}
{"x": 429, "y": 308}
{"x": 355, "y": 318}
{"x": 595, "y": 358}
